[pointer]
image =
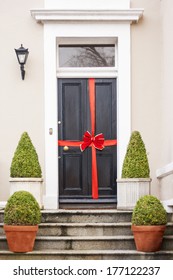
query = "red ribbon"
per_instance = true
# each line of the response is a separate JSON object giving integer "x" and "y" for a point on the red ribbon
{"x": 90, "y": 140}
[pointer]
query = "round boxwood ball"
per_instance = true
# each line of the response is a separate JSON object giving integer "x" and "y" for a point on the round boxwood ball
{"x": 149, "y": 211}
{"x": 22, "y": 209}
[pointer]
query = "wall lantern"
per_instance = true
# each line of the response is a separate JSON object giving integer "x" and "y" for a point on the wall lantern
{"x": 22, "y": 55}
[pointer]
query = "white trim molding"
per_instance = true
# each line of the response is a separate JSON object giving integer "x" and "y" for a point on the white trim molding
{"x": 161, "y": 173}
{"x": 124, "y": 15}
{"x": 164, "y": 171}
{"x": 87, "y": 73}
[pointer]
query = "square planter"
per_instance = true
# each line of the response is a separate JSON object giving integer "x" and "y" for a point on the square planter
{"x": 130, "y": 190}
{"x": 32, "y": 185}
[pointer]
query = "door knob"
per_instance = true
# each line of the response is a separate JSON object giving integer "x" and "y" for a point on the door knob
{"x": 66, "y": 148}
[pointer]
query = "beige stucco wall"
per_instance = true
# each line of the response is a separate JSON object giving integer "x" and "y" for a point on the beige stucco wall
{"x": 152, "y": 98}
{"x": 166, "y": 151}
{"x": 146, "y": 81}
{"x": 21, "y": 102}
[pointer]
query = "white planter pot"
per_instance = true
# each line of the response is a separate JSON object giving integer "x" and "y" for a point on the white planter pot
{"x": 32, "y": 185}
{"x": 130, "y": 190}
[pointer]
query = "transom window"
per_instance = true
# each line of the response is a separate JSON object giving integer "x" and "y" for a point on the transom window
{"x": 87, "y": 55}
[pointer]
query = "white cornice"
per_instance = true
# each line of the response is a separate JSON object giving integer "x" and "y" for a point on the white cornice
{"x": 125, "y": 15}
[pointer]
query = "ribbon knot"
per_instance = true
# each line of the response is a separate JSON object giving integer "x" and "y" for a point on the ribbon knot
{"x": 97, "y": 141}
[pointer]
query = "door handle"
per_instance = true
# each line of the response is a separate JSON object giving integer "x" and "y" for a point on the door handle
{"x": 66, "y": 148}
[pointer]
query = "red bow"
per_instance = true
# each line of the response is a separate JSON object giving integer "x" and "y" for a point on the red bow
{"x": 98, "y": 141}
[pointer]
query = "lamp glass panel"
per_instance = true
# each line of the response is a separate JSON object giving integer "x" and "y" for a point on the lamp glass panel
{"x": 21, "y": 58}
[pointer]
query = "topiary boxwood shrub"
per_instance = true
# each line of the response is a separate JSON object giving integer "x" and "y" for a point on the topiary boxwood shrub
{"x": 149, "y": 211}
{"x": 25, "y": 163}
{"x": 22, "y": 209}
{"x": 135, "y": 163}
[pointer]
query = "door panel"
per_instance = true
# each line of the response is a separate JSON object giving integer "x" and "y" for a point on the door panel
{"x": 106, "y": 173}
{"x": 106, "y": 108}
{"x": 73, "y": 95}
{"x": 72, "y": 99}
{"x": 73, "y": 164}
{"x": 74, "y": 115}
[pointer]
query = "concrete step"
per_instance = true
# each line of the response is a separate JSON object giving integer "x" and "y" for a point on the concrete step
{"x": 87, "y": 234}
{"x": 79, "y": 243}
{"x": 86, "y": 255}
{"x": 169, "y": 228}
{"x": 86, "y": 216}
{"x": 86, "y": 229}
{"x": 87, "y": 243}
{"x": 80, "y": 216}
{"x": 98, "y": 216}
{"x": 81, "y": 229}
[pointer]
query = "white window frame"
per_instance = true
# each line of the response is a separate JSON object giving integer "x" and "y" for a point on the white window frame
{"x": 87, "y": 72}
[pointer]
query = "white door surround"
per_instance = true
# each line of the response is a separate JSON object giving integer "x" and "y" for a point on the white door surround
{"x": 67, "y": 25}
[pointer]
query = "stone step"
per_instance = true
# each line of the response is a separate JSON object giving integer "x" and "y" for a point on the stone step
{"x": 86, "y": 255}
{"x": 80, "y": 216}
{"x": 169, "y": 229}
{"x": 81, "y": 229}
{"x": 87, "y": 243}
{"x": 86, "y": 229}
{"x": 87, "y": 234}
{"x": 79, "y": 243}
{"x": 87, "y": 216}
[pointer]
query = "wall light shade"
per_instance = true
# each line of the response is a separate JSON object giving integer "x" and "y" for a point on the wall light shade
{"x": 22, "y": 55}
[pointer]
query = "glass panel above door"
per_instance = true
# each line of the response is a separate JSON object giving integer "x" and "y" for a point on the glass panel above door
{"x": 86, "y": 55}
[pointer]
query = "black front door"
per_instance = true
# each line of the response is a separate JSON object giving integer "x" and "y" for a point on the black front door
{"x": 75, "y": 167}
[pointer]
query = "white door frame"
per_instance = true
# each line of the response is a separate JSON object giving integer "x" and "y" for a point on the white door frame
{"x": 55, "y": 30}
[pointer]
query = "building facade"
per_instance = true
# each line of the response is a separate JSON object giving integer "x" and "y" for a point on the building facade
{"x": 135, "y": 73}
